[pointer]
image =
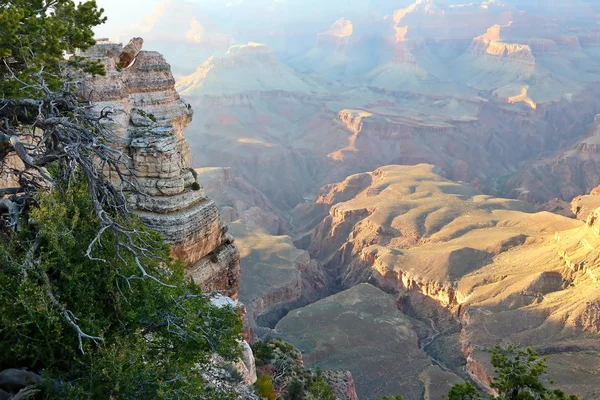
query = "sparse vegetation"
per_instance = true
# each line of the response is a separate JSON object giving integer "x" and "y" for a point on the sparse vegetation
{"x": 264, "y": 387}
{"x": 319, "y": 389}
{"x": 281, "y": 361}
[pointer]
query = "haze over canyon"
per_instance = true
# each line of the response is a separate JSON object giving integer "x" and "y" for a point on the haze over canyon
{"x": 407, "y": 183}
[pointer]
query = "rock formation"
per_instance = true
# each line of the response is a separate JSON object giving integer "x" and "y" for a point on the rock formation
{"x": 479, "y": 99}
{"x": 342, "y": 383}
{"x": 148, "y": 120}
{"x": 569, "y": 173}
{"x": 582, "y": 206}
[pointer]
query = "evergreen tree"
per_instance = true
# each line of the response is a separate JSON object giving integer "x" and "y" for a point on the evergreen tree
{"x": 521, "y": 374}
{"x": 92, "y": 323}
{"x": 463, "y": 391}
{"x": 295, "y": 391}
{"x": 36, "y": 34}
{"x": 320, "y": 389}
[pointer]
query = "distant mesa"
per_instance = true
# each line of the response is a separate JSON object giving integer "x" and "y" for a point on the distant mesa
{"x": 341, "y": 28}
{"x": 419, "y": 6}
{"x": 251, "y": 67}
{"x": 492, "y": 44}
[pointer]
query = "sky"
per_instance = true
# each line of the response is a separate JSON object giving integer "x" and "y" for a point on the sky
{"x": 122, "y": 14}
{"x": 137, "y": 15}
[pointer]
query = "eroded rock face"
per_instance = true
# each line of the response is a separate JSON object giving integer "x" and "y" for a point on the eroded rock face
{"x": 568, "y": 173}
{"x": 149, "y": 120}
{"x": 583, "y": 206}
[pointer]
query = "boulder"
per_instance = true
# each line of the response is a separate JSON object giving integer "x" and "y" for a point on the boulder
{"x": 247, "y": 365}
{"x": 130, "y": 52}
{"x": 15, "y": 379}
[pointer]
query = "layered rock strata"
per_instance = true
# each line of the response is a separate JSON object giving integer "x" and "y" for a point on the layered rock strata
{"x": 567, "y": 174}
{"x": 148, "y": 119}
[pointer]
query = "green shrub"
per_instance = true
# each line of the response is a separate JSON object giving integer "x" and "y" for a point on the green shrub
{"x": 295, "y": 391}
{"x": 264, "y": 387}
{"x": 320, "y": 389}
{"x": 463, "y": 391}
{"x": 263, "y": 352}
{"x": 152, "y": 335}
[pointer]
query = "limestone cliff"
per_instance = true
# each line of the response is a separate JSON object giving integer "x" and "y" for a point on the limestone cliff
{"x": 148, "y": 119}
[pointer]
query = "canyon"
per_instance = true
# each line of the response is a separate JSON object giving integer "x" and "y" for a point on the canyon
{"x": 363, "y": 179}
{"x": 404, "y": 185}
{"x": 470, "y": 269}
{"x": 492, "y": 104}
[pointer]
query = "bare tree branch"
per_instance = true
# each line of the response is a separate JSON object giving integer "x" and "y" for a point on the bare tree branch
{"x": 68, "y": 316}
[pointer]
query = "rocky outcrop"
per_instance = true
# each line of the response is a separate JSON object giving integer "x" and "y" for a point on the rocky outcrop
{"x": 342, "y": 383}
{"x": 148, "y": 122}
{"x": 19, "y": 384}
{"x": 582, "y": 206}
